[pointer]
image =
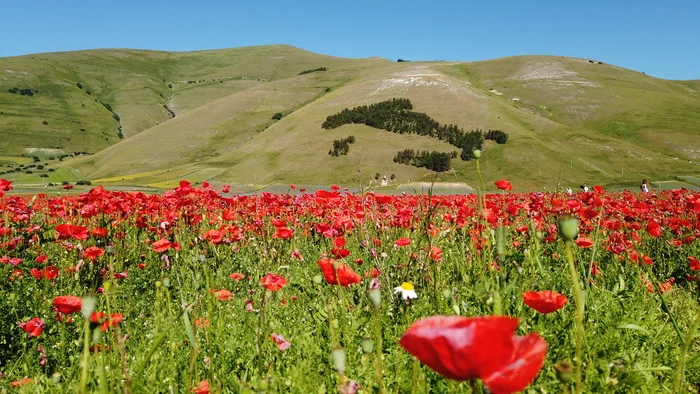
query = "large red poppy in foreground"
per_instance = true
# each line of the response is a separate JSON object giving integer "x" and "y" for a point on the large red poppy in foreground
{"x": 464, "y": 348}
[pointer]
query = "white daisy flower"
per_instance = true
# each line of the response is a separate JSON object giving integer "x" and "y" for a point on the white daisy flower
{"x": 407, "y": 291}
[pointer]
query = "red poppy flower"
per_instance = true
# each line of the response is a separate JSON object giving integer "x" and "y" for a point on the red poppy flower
{"x": 504, "y": 185}
{"x": 273, "y": 282}
{"x": 654, "y": 229}
{"x": 203, "y": 388}
{"x": 21, "y": 382}
{"x": 93, "y": 253}
{"x": 343, "y": 275}
{"x": 66, "y": 231}
{"x": 161, "y": 245}
{"x": 237, "y": 276}
{"x": 33, "y": 327}
{"x": 339, "y": 253}
{"x": 403, "y": 242}
{"x": 222, "y": 295}
{"x": 68, "y": 304}
{"x": 42, "y": 258}
{"x": 694, "y": 263}
{"x": 284, "y": 233}
{"x": 225, "y": 189}
{"x": 583, "y": 242}
{"x": 36, "y": 273}
{"x": 5, "y": 185}
{"x": 545, "y": 301}
{"x": 464, "y": 348}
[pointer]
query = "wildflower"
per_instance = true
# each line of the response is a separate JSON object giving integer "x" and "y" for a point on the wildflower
{"x": 237, "y": 276}
{"x": 33, "y": 327}
{"x": 504, "y": 185}
{"x": 545, "y": 301}
{"x": 694, "y": 263}
{"x": 654, "y": 229}
{"x": 583, "y": 242}
{"x": 161, "y": 245}
{"x": 283, "y": 233}
{"x": 402, "y": 242}
{"x": 406, "y": 290}
{"x": 464, "y": 348}
{"x": 68, "y": 304}
{"x": 282, "y": 344}
{"x": 203, "y": 388}
{"x": 273, "y": 282}
{"x": 222, "y": 295}
{"x": 342, "y": 275}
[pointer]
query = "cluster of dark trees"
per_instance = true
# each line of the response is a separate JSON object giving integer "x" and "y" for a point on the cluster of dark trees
{"x": 496, "y": 135}
{"x": 23, "y": 92}
{"x": 313, "y": 70}
{"x": 436, "y": 161}
{"x": 397, "y": 115}
{"x": 341, "y": 147}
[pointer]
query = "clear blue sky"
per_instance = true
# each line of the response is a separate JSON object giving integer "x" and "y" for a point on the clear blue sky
{"x": 661, "y": 38}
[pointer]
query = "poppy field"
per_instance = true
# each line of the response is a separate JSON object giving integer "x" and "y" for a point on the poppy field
{"x": 199, "y": 291}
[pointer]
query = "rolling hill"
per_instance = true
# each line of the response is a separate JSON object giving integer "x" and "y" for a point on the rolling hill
{"x": 209, "y": 116}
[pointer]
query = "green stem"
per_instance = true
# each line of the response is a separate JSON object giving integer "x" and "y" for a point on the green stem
{"x": 86, "y": 353}
{"x": 580, "y": 307}
{"x": 681, "y": 359}
{"x": 414, "y": 375}
{"x": 481, "y": 179}
{"x": 378, "y": 351}
{"x": 258, "y": 332}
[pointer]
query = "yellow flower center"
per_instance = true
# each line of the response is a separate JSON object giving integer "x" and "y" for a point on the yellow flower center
{"x": 406, "y": 286}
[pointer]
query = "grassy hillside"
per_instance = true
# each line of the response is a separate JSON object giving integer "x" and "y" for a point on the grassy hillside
{"x": 144, "y": 88}
{"x": 570, "y": 121}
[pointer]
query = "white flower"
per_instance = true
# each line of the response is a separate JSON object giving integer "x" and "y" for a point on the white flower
{"x": 407, "y": 291}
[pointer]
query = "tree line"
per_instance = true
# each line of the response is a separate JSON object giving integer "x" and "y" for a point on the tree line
{"x": 397, "y": 115}
{"x": 313, "y": 70}
{"x": 435, "y": 161}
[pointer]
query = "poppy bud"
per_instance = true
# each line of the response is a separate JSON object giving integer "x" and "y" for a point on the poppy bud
{"x": 375, "y": 296}
{"x": 88, "y": 306}
{"x": 477, "y": 153}
{"x": 338, "y": 356}
{"x": 317, "y": 279}
{"x": 334, "y": 324}
{"x": 367, "y": 345}
{"x": 455, "y": 308}
{"x": 447, "y": 293}
{"x": 564, "y": 371}
{"x": 568, "y": 227}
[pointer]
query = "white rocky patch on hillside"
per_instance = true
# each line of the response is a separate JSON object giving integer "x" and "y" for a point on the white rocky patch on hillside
{"x": 398, "y": 84}
{"x": 550, "y": 72}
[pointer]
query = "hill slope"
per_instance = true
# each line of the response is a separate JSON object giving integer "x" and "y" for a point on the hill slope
{"x": 570, "y": 121}
{"x": 74, "y": 91}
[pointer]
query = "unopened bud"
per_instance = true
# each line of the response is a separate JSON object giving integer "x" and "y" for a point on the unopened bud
{"x": 375, "y": 296}
{"x": 338, "y": 356}
{"x": 317, "y": 279}
{"x": 477, "y": 154}
{"x": 88, "y": 306}
{"x": 564, "y": 371}
{"x": 568, "y": 227}
{"x": 367, "y": 345}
